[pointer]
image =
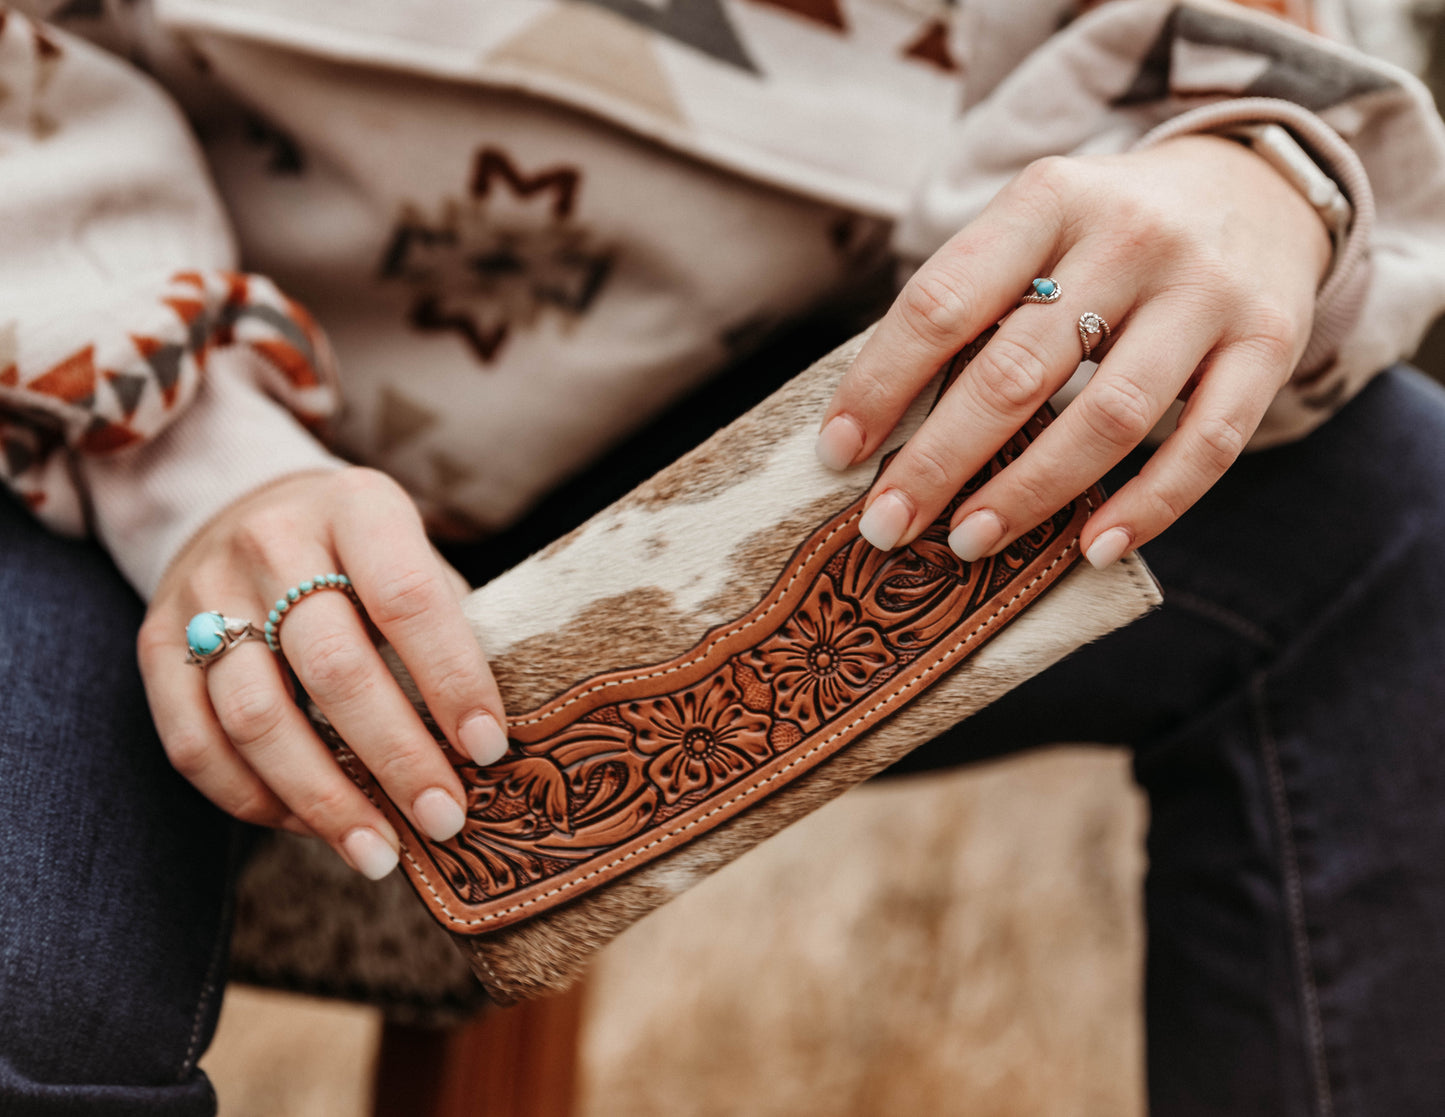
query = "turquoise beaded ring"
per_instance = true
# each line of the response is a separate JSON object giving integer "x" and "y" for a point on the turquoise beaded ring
{"x": 272, "y": 627}
{"x": 1042, "y": 290}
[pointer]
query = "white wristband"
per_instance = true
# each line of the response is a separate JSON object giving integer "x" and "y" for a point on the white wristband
{"x": 1276, "y": 146}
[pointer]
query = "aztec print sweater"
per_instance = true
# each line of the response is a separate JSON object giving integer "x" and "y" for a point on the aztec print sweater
{"x": 512, "y": 231}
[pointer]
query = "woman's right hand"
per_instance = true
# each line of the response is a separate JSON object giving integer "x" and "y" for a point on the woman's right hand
{"x": 233, "y": 728}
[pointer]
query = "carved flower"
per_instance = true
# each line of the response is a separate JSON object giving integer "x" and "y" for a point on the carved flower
{"x": 822, "y": 658}
{"x": 698, "y": 738}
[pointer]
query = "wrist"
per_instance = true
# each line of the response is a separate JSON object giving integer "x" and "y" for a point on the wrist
{"x": 233, "y": 440}
{"x": 1339, "y": 300}
{"x": 1257, "y": 182}
{"x": 1274, "y": 144}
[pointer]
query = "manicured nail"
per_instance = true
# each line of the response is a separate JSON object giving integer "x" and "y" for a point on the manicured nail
{"x": 977, "y": 535}
{"x": 437, "y": 813}
{"x": 886, "y": 520}
{"x": 839, "y": 442}
{"x": 1109, "y": 548}
{"x": 369, "y": 852}
{"x": 483, "y": 739}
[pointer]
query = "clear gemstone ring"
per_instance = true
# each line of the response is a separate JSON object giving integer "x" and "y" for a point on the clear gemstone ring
{"x": 1092, "y": 325}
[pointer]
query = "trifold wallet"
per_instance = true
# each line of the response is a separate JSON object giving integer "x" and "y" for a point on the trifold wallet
{"x": 714, "y": 656}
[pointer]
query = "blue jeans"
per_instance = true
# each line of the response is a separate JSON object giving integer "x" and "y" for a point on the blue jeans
{"x": 1286, "y": 708}
{"x": 114, "y": 874}
{"x": 1287, "y": 713}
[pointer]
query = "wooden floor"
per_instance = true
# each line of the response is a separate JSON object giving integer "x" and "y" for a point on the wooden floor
{"x": 960, "y": 945}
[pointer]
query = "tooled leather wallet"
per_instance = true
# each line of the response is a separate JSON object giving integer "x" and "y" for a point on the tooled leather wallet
{"x": 714, "y": 656}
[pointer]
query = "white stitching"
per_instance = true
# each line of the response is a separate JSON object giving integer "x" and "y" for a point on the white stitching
{"x": 218, "y": 951}
{"x": 750, "y": 791}
{"x": 497, "y": 982}
{"x": 1294, "y": 898}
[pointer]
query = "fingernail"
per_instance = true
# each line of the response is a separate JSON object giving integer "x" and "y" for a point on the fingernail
{"x": 483, "y": 739}
{"x": 977, "y": 535}
{"x": 886, "y": 520}
{"x": 1109, "y": 548}
{"x": 839, "y": 442}
{"x": 372, "y": 855}
{"x": 438, "y": 814}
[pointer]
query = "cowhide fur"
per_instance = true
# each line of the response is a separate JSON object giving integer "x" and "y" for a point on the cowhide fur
{"x": 308, "y": 923}
{"x": 697, "y": 546}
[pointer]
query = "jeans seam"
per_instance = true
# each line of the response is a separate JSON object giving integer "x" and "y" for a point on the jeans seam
{"x": 1293, "y": 886}
{"x": 218, "y": 952}
{"x": 1221, "y": 615}
{"x": 1346, "y": 596}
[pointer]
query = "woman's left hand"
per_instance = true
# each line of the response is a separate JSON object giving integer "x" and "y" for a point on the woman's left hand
{"x": 1205, "y": 263}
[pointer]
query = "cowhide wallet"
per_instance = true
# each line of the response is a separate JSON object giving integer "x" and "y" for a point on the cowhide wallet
{"x": 714, "y": 656}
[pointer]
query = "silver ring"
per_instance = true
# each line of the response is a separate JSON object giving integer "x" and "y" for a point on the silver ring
{"x": 1091, "y": 324}
{"x": 210, "y": 635}
{"x": 1044, "y": 289}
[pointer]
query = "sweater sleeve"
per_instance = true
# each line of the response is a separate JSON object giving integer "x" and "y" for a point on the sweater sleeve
{"x": 1135, "y": 72}
{"x": 144, "y": 383}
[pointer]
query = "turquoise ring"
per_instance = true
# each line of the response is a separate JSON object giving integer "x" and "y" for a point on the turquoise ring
{"x": 1042, "y": 290}
{"x": 210, "y": 635}
{"x": 332, "y": 581}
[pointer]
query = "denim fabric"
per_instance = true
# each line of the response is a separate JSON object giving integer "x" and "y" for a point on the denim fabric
{"x": 1287, "y": 712}
{"x": 113, "y": 872}
{"x": 1286, "y": 707}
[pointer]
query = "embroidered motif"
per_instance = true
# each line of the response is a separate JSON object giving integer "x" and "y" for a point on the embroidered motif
{"x": 931, "y": 46}
{"x": 492, "y": 165}
{"x": 22, "y": 104}
{"x": 825, "y": 12}
{"x": 702, "y": 25}
{"x": 1300, "y": 12}
{"x": 399, "y": 419}
{"x": 481, "y": 276}
{"x": 72, "y": 380}
{"x": 120, "y": 388}
{"x": 1286, "y": 68}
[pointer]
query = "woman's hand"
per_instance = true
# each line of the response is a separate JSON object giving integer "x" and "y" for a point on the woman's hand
{"x": 233, "y": 728}
{"x": 1201, "y": 257}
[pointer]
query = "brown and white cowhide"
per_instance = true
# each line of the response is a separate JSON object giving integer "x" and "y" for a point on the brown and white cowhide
{"x": 650, "y": 581}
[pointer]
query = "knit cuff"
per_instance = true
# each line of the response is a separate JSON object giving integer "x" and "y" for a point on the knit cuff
{"x": 150, "y": 501}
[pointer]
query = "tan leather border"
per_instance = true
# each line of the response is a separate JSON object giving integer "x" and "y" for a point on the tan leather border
{"x": 630, "y": 764}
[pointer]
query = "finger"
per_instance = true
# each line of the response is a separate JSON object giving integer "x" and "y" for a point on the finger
{"x": 460, "y": 586}
{"x": 328, "y": 647}
{"x": 1144, "y": 370}
{"x": 965, "y": 287}
{"x": 410, "y": 595}
{"x": 1224, "y": 411}
{"x": 269, "y": 731}
{"x": 193, "y": 739}
{"x": 1030, "y": 357}
{"x": 294, "y": 825}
